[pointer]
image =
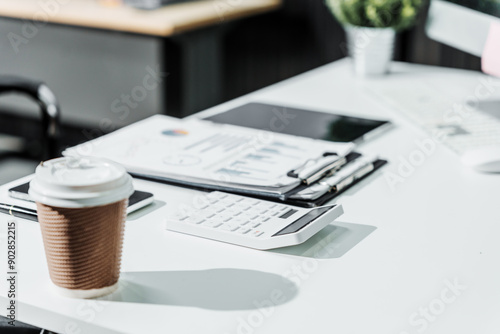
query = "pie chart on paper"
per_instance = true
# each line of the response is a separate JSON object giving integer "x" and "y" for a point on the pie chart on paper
{"x": 175, "y": 132}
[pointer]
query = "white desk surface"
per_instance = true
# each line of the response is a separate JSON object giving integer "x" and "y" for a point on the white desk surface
{"x": 384, "y": 267}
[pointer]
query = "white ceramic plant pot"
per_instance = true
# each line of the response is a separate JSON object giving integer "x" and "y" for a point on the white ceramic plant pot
{"x": 371, "y": 49}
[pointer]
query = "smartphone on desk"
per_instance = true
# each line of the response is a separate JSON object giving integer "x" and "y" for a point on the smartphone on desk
{"x": 136, "y": 201}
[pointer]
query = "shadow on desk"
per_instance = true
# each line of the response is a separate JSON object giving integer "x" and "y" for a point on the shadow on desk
{"x": 331, "y": 242}
{"x": 215, "y": 289}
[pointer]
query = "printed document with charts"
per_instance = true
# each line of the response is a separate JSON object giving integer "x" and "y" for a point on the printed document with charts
{"x": 201, "y": 153}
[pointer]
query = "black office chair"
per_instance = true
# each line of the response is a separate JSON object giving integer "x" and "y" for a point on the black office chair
{"x": 49, "y": 108}
{"x": 50, "y": 118}
{"x": 19, "y": 328}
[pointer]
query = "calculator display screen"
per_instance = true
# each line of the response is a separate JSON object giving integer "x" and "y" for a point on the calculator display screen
{"x": 304, "y": 220}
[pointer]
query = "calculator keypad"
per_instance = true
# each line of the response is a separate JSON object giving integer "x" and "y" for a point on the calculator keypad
{"x": 235, "y": 214}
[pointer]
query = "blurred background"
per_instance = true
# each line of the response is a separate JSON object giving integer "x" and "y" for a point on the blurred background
{"x": 110, "y": 64}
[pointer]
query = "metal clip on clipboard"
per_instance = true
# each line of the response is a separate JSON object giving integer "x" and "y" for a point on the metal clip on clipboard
{"x": 313, "y": 170}
{"x": 357, "y": 171}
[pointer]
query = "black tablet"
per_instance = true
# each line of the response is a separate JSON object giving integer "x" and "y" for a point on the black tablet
{"x": 301, "y": 122}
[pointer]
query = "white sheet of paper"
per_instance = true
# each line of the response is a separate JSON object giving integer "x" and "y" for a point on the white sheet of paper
{"x": 199, "y": 151}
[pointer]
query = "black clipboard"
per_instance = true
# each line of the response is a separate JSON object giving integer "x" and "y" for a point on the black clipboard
{"x": 285, "y": 198}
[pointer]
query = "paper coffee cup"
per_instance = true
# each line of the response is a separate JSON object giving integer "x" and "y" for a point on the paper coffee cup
{"x": 81, "y": 206}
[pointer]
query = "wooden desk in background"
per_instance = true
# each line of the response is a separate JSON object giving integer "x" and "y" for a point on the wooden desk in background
{"x": 166, "y": 21}
{"x": 100, "y": 49}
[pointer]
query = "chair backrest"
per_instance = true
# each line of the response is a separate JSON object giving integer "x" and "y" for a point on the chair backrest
{"x": 49, "y": 108}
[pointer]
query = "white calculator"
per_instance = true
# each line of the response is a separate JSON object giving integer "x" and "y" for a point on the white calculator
{"x": 250, "y": 222}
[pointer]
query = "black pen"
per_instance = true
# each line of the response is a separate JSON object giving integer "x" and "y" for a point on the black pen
{"x": 19, "y": 212}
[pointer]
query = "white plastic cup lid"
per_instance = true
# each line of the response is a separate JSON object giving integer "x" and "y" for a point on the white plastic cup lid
{"x": 79, "y": 182}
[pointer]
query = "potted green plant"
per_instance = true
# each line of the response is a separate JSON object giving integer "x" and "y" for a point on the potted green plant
{"x": 371, "y": 27}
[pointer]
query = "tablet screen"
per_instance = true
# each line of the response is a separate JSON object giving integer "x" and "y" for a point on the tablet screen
{"x": 298, "y": 122}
